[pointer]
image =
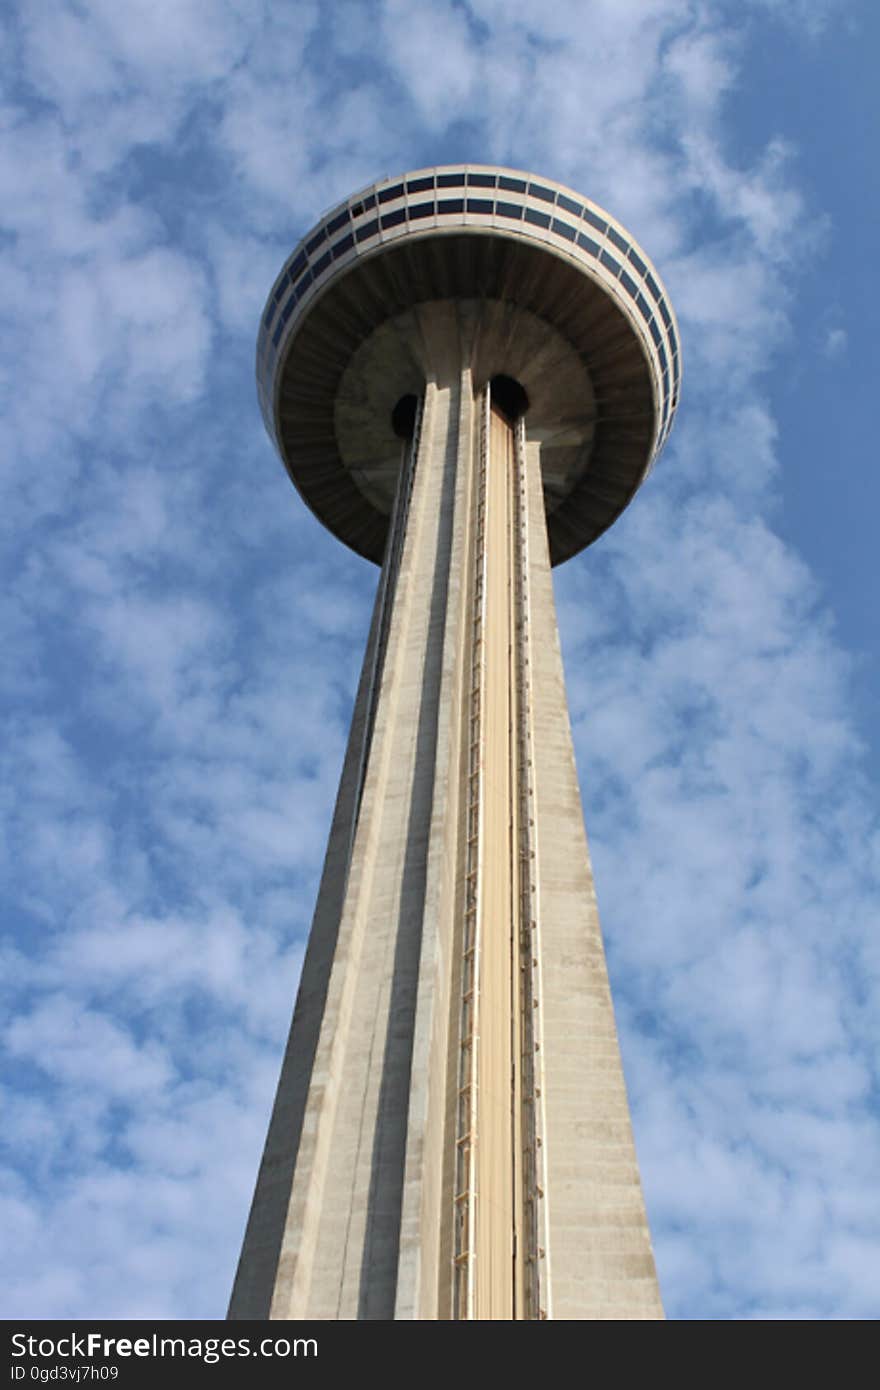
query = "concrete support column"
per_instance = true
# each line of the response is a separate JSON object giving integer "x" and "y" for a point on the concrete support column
{"x": 357, "y": 1211}
{"x": 599, "y": 1247}
{"x": 381, "y": 940}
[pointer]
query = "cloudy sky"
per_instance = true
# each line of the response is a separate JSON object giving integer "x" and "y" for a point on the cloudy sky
{"x": 182, "y": 640}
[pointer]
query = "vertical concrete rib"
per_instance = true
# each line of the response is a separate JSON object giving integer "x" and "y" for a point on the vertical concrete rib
{"x": 534, "y": 1273}
{"x": 425, "y": 1260}
{"x": 341, "y": 1243}
{"x": 602, "y": 1262}
{"x": 255, "y": 1281}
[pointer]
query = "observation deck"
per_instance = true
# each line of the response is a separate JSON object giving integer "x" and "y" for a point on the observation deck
{"x": 549, "y": 290}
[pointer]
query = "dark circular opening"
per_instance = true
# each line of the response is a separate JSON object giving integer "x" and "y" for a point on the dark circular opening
{"x": 509, "y": 396}
{"x": 403, "y": 417}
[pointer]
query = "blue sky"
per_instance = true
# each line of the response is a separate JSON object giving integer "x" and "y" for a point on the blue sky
{"x": 182, "y": 640}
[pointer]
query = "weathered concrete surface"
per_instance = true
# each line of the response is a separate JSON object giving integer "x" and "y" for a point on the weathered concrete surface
{"x": 601, "y": 1263}
{"x": 353, "y": 1211}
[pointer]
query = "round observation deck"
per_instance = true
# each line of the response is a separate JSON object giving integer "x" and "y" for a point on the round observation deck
{"x": 558, "y": 297}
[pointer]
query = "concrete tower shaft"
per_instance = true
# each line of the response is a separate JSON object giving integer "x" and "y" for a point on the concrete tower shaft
{"x": 451, "y": 1135}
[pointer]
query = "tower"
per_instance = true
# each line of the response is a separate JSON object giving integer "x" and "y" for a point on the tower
{"x": 467, "y": 372}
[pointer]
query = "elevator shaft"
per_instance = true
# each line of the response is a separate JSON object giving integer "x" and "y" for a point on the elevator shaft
{"x": 497, "y": 1246}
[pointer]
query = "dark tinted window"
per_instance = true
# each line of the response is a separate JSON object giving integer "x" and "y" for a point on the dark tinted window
{"x": 393, "y": 219}
{"x": 637, "y": 261}
{"x": 509, "y": 210}
{"x": 296, "y": 265}
{"x": 419, "y": 185}
{"x": 620, "y": 242}
{"x": 421, "y": 210}
{"x": 588, "y": 244}
{"x": 595, "y": 221}
{"x": 570, "y": 205}
{"x": 315, "y": 241}
{"x": 323, "y": 263}
{"x": 450, "y": 180}
{"x": 540, "y": 219}
{"x": 512, "y": 185}
{"x": 644, "y": 307}
{"x": 545, "y": 194}
{"x": 609, "y": 261}
{"x": 653, "y": 286}
{"x": 481, "y": 180}
{"x": 344, "y": 245}
{"x": 628, "y": 283}
{"x": 665, "y": 314}
{"x": 450, "y": 205}
{"x": 368, "y": 229}
{"x": 282, "y": 285}
{"x": 564, "y": 229}
{"x": 479, "y": 204}
{"x": 338, "y": 221}
{"x": 395, "y": 191}
{"x": 655, "y": 331}
{"x": 661, "y": 353}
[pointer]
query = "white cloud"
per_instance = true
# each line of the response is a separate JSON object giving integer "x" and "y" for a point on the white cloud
{"x": 188, "y": 641}
{"x": 835, "y": 342}
{"x": 700, "y": 63}
{"x": 432, "y": 52}
{"x": 84, "y": 1049}
{"x": 143, "y": 318}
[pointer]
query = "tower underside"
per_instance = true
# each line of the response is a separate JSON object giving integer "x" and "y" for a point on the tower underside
{"x": 451, "y": 1135}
